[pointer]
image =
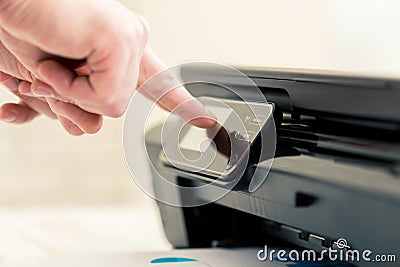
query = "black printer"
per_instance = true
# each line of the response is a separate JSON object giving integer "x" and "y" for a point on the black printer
{"x": 334, "y": 176}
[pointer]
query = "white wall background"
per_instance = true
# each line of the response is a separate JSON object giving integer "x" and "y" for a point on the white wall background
{"x": 355, "y": 35}
{"x": 40, "y": 164}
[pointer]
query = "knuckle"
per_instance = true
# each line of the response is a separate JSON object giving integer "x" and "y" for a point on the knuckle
{"x": 110, "y": 106}
{"x": 69, "y": 101}
{"x": 27, "y": 99}
{"x": 145, "y": 28}
{"x": 118, "y": 108}
{"x": 105, "y": 99}
{"x": 57, "y": 106}
{"x": 139, "y": 31}
{"x": 115, "y": 111}
{"x": 22, "y": 72}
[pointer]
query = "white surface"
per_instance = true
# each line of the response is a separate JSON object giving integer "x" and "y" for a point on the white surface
{"x": 206, "y": 258}
{"x": 38, "y": 233}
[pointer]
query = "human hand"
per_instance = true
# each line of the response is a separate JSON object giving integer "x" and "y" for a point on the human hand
{"x": 15, "y": 77}
{"x": 109, "y": 39}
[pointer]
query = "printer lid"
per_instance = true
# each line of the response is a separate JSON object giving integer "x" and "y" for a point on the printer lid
{"x": 371, "y": 99}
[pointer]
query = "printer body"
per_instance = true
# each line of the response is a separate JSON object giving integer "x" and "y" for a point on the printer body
{"x": 335, "y": 173}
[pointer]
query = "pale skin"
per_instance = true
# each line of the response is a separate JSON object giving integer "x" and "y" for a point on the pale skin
{"x": 80, "y": 60}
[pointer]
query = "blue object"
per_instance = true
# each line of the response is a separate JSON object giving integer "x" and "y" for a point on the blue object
{"x": 170, "y": 260}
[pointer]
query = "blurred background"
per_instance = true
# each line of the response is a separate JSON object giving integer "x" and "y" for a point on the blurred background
{"x": 61, "y": 194}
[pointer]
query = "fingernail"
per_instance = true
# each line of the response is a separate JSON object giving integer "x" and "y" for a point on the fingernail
{"x": 74, "y": 128}
{"x": 9, "y": 117}
{"x": 196, "y": 113}
{"x": 11, "y": 84}
{"x": 203, "y": 122}
{"x": 211, "y": 116}
{"x": 43, "y": 92}
{"x": 208, "y": 119}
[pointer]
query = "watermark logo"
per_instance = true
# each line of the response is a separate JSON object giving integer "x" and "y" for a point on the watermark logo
{"x": 158, "y": 176}
{"x": 340, "y": 252}
{"x": 341, "y": 243}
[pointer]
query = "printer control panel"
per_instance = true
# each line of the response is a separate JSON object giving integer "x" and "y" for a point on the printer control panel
{"x": 217, "y": 152}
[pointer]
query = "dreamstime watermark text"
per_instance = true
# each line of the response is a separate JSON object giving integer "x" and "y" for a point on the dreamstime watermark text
{"x": 342, "y": 253}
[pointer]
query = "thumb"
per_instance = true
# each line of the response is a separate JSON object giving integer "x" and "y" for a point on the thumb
{"x": 160, "y": 85}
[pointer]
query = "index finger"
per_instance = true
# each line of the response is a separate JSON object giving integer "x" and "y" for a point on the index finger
{"x": 158, "y": 84}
